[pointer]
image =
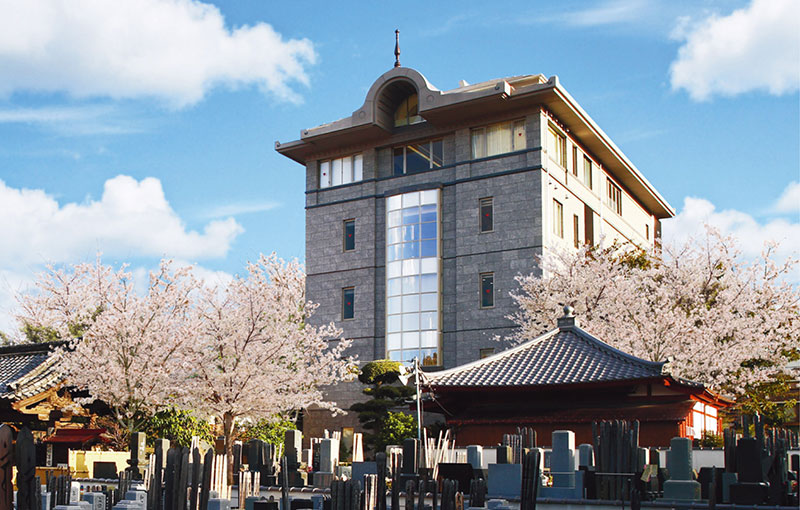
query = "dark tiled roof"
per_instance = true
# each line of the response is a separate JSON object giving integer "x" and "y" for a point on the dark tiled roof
{"x": 567, "y": 355}
{"x": 26, "y": 370}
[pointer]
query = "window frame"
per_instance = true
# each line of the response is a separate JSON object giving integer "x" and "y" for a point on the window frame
{"x": 613, "y": 196}
{"x": 485, "y": 352}
{"x": 561, "y": 141}
{"x": 345, "y": 223}
{"x": 405, "y": 147}
{"x": 481, "y": 276}
{"x": 558, "y": 218}
{"x": 576, "y": 223}
{"x": 588, "y": 178}
{"x": 484, "y": 147}
{"x": 352, "y": 305}
{"x": 356, "y": 171}
{"x": 575, "y": 154}
{"x": 481, "y": 203}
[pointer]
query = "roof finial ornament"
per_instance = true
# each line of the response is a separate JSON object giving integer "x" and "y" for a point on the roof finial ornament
{"x": 397, "y": 48}
{"x": 569, "y": 311}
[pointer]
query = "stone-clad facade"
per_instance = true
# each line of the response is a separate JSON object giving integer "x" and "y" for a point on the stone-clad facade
{"x": 530, "y": 189}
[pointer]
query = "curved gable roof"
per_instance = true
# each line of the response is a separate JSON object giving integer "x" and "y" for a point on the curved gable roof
{"x": 567, "y": 355}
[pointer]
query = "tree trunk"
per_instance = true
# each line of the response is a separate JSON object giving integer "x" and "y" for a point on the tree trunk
{"x": 227, "y": 433}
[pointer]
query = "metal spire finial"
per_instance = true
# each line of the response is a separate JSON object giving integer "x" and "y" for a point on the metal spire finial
{"x": 397, "y": 48}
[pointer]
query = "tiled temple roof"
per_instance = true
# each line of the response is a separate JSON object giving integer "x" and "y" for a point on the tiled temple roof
{"x": 26, "y": 370}
{"x": 568, "y": 355}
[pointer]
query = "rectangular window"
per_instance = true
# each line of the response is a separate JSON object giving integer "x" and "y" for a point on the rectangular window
{"x": 419, "y": 157}
{"x": 335, "y": 172}
{"x": 614, "y": 199}
{"x": 557, "y": 146}
{"x": 558, "y": 218}
{"x": 485, "y": 353}
{"x": 348, "y": 310}
{"x": 487, "y": 290}
{"x": 587, "y": 172}
{"x": 576, "y": 231}
{"x": 349, "y": 232}
{"x": 413, "y": 325}
{"x": 498, "y": 139}
{"x": 647, "y": 232}
{"x": 588, "y": 225}
{"x": 575, "y": 160}
{"x": 487, "y": 214}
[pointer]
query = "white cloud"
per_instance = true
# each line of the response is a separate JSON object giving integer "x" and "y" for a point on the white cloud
{"x": 755, "y": 48}
{"x": 607, "y": 13}
{"x": 238, "y": 208}
{"x": 175, "y": 50}
{"x": 789, "y": 201}
{"x": 131, "y": 219}
{"x": 749, "y": 232}
{"x": 72, "y": 120}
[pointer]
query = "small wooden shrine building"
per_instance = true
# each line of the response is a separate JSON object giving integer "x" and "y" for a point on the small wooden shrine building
{"x": 31, "y": 389}
{"x": 565, "y": 380}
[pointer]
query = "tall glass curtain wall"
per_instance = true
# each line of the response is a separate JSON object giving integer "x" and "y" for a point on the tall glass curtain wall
{"x": 413, "y": 274}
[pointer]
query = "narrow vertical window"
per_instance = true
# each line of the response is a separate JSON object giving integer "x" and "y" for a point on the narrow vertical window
{"x": 614, "y": 199}
{"x": 558, "y": 218}
{"x": 576, "y": 231}
{"x": 557, "y": 147}
{"x": 588, "y": 225}
{"x": 587, "y": 172}
{"x": 575, "y": 160}
{"x": 349, "y": 232}
{"x": 325, "y": 174}
{"x": 647, "y": 232}
{"x": 487, "y": 214}
{"x": 487, "y": 290}
{"x": 348, "y": 295}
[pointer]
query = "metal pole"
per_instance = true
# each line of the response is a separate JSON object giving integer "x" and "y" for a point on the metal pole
{"x": 419, "y": 402}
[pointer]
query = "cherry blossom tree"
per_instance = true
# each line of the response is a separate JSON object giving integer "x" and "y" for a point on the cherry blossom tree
{"x": 255, "y": 355}
{"x": 723, "y": 321}
{"x": 123, "y": 344}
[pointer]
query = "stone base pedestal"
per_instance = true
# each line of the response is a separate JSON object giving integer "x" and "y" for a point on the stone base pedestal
{"x": 297, "y": 478}
{"x": 322, "y": 480}
{"x": 681, "y": 490}
{"x": 749, "y": 493}
{"x": 505, "y": 481}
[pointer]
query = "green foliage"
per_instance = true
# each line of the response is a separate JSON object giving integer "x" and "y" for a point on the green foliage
{"x": 385, "y": 395}
{"x": 711, "y": 440}
{"x": 4, "y": 340}
{"x": 773, "y": 400}
{"x": 271, "y": 431}
{"x": 39, "y": 334}
{"x": 379, "y": 372}
{"x": 178, "y": 426}
{"x": 396, "y": 427}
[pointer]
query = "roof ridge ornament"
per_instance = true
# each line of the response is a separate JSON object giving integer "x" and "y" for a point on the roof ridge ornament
{"x": 397, "y": 48}
{"x": 568, "y": 321}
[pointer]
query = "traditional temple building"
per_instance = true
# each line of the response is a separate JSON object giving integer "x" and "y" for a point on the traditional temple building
{"x": 565, "y": 380}
{"x": 31, "y": 389}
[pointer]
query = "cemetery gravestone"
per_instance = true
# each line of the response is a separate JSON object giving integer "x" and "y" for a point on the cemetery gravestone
{"x": 750, "y": 488}
{"x": 566, "y": 484}
{"x": 6, "y": 461}
{"x": 28, "y": 488}
{"x": 680, "y": 485}
{"x": 138, "y": 459}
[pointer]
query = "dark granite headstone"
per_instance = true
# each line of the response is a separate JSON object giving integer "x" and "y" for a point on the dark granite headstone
{"x": 504, "y": 455}
{"x": 410, "y": 456}
{"x": 462, "y": 473}
{"x": 751, "y": 488}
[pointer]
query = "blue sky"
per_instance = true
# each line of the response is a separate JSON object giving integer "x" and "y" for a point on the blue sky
{"x": 146, "y": 129}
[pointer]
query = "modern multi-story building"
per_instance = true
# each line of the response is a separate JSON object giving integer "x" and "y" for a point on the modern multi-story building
{"x": 423, "y": 205}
